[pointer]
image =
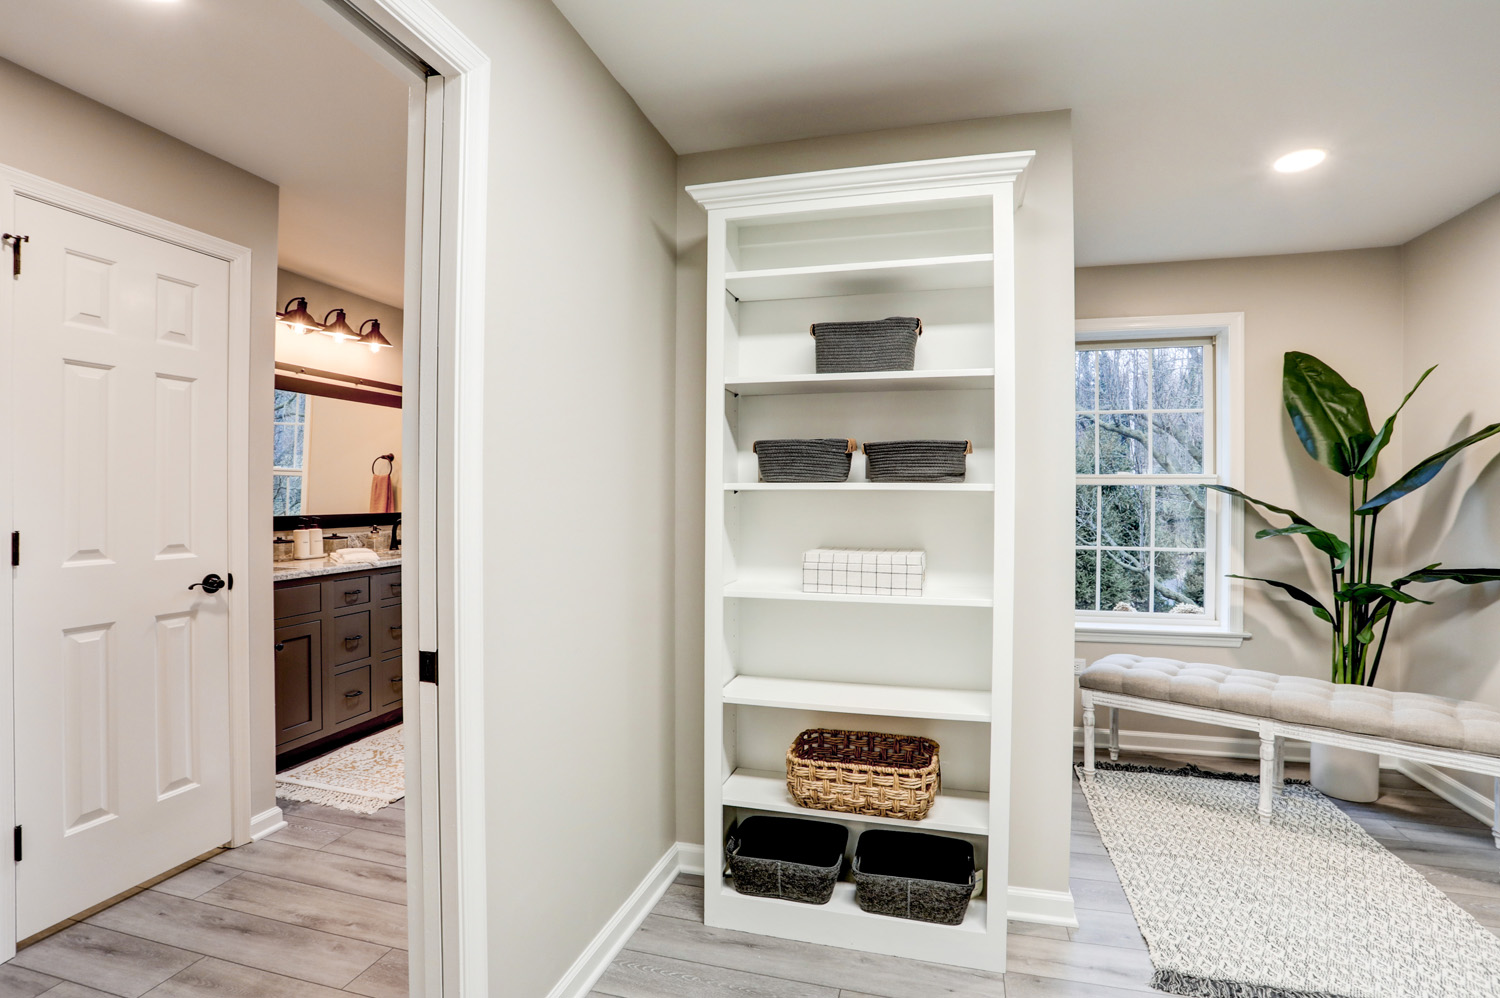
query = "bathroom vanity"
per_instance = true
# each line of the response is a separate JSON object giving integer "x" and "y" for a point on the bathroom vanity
{"x": 338, "y": 653}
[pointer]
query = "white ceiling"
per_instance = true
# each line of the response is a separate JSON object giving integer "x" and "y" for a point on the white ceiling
{"x": 1179, "y": 105}
{"x": 263, "y": 84}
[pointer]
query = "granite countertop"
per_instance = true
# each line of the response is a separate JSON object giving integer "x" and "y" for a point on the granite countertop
{"x": 283, "y": 570}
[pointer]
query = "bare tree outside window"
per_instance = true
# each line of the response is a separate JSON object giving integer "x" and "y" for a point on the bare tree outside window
{"x": 1143, "y": 420}
{"x": 289, "y": 453}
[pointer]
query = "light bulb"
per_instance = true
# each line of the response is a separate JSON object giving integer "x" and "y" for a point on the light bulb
{"x": 1302, "y": 159}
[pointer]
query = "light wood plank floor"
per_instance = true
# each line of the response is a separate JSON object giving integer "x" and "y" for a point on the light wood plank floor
{"x": 317, "y": 911}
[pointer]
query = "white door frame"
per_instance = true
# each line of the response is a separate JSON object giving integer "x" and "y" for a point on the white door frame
{"x": 15, "y": 183}
{"x": 444, "y": 497}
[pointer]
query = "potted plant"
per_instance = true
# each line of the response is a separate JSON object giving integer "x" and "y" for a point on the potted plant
{"x": 1331, "y": 420}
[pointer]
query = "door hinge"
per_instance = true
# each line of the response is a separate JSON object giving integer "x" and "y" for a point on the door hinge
{"x": 427, "y": 667}
{"x": 18, "y": 843}
{"x": 15, "y": 245}
{"x": 15, "y": 549}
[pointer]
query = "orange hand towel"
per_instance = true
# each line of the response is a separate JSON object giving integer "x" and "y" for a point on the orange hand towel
{"x": 382, "y": 495}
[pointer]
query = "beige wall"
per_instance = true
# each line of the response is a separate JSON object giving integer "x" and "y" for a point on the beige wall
{"x": 579, "y": 459}
{"x": 323, "y": 353}
{"x": 344, "y": 438}
{"x": 1044, "y": 233}
{"x": 1453, "y": 320}
{"x": 55, "y": 133}
{"x": 1344, "y": 308}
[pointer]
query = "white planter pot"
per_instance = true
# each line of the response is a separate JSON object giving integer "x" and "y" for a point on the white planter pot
{"x": 1347, "y": 774}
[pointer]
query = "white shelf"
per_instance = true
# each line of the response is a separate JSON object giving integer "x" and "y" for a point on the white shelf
{"x": 793, "y": 591}
{"x": 974, "y": 270}
{"x": 977, "y": 378}
{"x": 858, "y": 487}
{"x": 959, "y": 811}
{"x": 859, "y": 698}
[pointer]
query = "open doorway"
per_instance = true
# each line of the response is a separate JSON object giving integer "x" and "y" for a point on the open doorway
{"x": 216, "y": 690}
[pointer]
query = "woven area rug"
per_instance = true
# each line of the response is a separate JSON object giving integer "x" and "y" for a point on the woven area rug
{"x": 362, "y": 777}
{"x": 1309, "y": 906}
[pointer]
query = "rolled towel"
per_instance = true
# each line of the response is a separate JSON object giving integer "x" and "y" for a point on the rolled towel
{"x": 353, "y": 556}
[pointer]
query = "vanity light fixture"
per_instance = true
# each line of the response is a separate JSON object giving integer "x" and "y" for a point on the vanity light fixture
{"x": 374, "y": 339}
{"x": 1302, "y": 159}
{"x": 339, "y": 328}
{"x": 298, "y": 319}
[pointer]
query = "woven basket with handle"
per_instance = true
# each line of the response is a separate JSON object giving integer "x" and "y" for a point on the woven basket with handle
{"x": 863, "y": 772}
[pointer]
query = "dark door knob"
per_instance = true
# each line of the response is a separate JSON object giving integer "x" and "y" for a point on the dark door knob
{"x": 212, "y": 583}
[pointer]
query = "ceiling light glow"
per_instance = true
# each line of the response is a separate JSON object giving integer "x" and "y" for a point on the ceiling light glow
{"x": 1302, "y": 159}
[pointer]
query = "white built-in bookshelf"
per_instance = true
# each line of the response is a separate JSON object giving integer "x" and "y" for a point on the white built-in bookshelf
{"x": 935, "y": 240}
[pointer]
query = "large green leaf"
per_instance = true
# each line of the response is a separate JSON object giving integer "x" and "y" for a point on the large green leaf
{"x": 1301, "y": 596}
{"x": 1295, "y": 516}
{"x": 1367, "y": 635}
{"x": 1365, "y": 470}
{"x": 1328, "y": 413}
{"x": 1425, "y": 470}
{"x": 1329, "y": 543}
{"x": 1465, "y": 576}
{"x": 1369, "y": 592}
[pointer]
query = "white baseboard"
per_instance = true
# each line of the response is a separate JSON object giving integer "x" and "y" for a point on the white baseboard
{"x": 268, "y": 822}
{"x": 1460, "y": 795}
{"x": 1175, "y": 743}
{"x": 1029, "y": 904}
{"x": 596, "y": 958}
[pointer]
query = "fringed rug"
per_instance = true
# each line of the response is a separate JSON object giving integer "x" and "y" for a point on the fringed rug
{"x": 1309, "y": 906}
{"x": 362, "y": 777}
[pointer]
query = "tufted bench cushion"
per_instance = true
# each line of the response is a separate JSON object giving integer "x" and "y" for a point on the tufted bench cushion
{"x": 1407, "y": 717}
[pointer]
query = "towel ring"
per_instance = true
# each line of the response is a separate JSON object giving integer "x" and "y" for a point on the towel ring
{"x": 383, "y": 457}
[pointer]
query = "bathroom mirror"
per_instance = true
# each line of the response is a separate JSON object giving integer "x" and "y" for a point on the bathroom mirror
{"x": 332, "y": 445}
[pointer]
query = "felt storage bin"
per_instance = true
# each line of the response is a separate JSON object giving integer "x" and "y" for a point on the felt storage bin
{"x": 819, "y": 460}
{"x": 794, "y": 859}
{"x": 917, "y": 460}
{"x": 864, "y": 571}
{"x": 916, "y": 875}
{"x": 863, "y": 772}
{"x": 877, "y": 345}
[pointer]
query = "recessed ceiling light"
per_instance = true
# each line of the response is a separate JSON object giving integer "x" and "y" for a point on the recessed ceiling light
{"x": 1302, "y": 159}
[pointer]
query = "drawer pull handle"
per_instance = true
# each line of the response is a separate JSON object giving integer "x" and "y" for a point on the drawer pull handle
{"x": 352, "y": 643}
{"x": 396, "y": 681}
{"x": 281, "y": 646}
{"x": 353, "y": 595}
{"x": 396, "y": 632}
{"x": 354, "y": 694}
{"x": 396, "y": 589}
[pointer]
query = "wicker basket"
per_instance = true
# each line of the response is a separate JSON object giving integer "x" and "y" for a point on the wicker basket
{"x": 929, "y": 878}
{"x": 917, "y": 460}
{"x": 825, "y": 460}
{"x": 878, "y": 345}
{"x": 789, "y": 858}
{"x": 863, "y": 772}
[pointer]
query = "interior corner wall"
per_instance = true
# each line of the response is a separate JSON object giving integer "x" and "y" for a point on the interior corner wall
{"x": 1343, "y": 307}
{"x": 1452, "y": 315}
{"x": 579, "y": 464}
{"x": 324, "y": 353}
{"x": 1041, "y": 736}
{"x": 53, "y": 132}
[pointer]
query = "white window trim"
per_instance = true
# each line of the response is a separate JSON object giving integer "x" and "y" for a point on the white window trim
{"x": 306, "y": 448}
{"x": 1227, "y": 330}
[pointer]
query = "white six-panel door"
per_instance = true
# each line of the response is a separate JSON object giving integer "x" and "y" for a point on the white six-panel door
{"x": 121, "y": 672}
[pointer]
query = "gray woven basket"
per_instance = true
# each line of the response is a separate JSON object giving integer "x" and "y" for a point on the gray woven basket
{"x": 789, "y": 858}
{"x": 878, "y": 345}
{"x": 823, "y": 460}
{"x": 927, "y": 878}
{"x": 917, "y": 460}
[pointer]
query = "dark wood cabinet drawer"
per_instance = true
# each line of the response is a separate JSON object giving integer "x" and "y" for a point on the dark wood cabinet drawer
{"x": 388, "y": 682}
{"x": 352, "y": 695}
{"x": 348, "y": 638}
{"x": 299, "y": 681}
{"x": 294, "y": 601}
{"x": 387, "y": 585}
{"x": 346, "y": 592}
{"x": 388, "y": 628}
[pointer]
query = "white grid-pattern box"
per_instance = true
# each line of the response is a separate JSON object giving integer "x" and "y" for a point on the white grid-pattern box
{"x": 864, "y": 571}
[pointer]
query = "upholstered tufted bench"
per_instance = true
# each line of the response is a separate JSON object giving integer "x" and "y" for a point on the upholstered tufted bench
{"x": 1458, "y": 734}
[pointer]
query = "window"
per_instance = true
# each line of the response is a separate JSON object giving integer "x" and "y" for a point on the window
{"x": 1152, "y": 544}
{"x": 289, "y": 453}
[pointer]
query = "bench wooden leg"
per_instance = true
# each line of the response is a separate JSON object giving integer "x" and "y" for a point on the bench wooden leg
{"x": 1114, "y": 735}
{"x": 1088, "y": 733}
{"x": 1496, "y": 827}
{"x": 1280, "y": 765}
{"x": 1267, "y": 773}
